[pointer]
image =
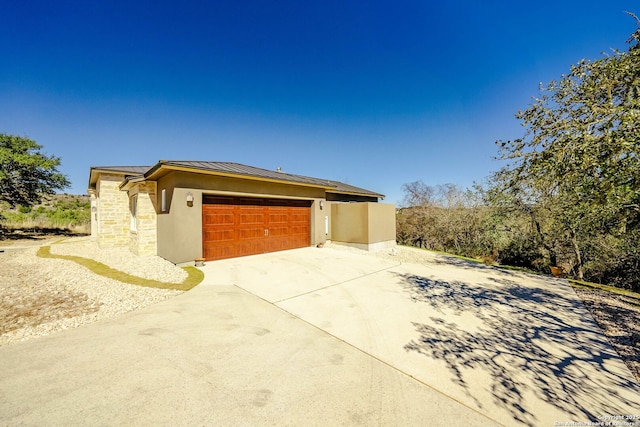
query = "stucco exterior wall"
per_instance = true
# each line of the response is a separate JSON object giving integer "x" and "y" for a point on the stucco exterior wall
{"x": 349, "y": 223}
{"x": 369, "y": 226}
{"x": 180, "y": 226}
{"x": 320, "y": 221}
{"x": 112, "y": 211}
{"x": 381, "y": 222}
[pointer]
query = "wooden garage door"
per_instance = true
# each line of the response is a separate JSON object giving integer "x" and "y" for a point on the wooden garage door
{"x": 238, "y": 226}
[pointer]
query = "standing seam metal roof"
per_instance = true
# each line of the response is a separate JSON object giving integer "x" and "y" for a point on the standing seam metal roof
{"x": 241, "y": 170}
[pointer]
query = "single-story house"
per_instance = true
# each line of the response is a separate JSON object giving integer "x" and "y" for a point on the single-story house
{"x": 183, "y": 210}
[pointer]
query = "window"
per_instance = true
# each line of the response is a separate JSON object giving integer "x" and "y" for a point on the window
{"x": 133, "y": 209}
{"x": 163, "y": 203}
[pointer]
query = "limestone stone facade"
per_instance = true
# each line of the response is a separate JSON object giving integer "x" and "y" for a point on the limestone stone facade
{"x": 143, "y": 236}
{"x": 112, "y": 211}
{"x": 125, "y": 218}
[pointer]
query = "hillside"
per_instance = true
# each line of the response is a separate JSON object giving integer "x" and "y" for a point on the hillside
{"x": 57, "y": 214}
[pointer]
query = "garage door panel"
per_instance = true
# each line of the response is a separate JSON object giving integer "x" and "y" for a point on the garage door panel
{"x": 219, "y": 218}
{"x": 250, "y": 233}
{"x": 220, "y": 235}
{"x": 300, "y": 217}
{"x": 220, "y": 251}
{"x": 299, "y": 230}
{"x": 245, "y": 226}
{"x": 278, "y": 218}
{"x": 252, "y": 247}
{"x": 275, "y": 231}
{"x": 250, "y": 219}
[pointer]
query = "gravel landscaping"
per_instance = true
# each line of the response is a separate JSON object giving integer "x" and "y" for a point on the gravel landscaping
{"x": 39, "y": 296}
{"x": 619, "y": 318}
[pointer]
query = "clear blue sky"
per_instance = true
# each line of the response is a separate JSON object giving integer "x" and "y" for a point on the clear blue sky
{"x": 373, "y": 93}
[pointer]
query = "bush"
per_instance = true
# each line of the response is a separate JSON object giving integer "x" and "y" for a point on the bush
{"x": 59, "y": 212}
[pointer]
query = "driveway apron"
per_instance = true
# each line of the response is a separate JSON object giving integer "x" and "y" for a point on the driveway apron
{"x": 329, "y": 337}
{"x": 216, "y": 355}
{"x": 518, "y": 348}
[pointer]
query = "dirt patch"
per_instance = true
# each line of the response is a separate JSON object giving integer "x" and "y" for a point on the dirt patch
{"x": 20, "y": 308}
{"x": 28, "y": 296}
{"x": 40, "y": 296}
{"x": 619, "y": 318}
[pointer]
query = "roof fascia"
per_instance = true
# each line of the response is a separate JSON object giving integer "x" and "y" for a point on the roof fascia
{"x": 353, "y": 193}
{"x": 161, "y": 166}
{"x": 130, "y": 181}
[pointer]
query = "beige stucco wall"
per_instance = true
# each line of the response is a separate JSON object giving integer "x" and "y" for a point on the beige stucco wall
{"x": 349, "y": 223}
{"x": 381, "y": 222}
{"x": 180, "y": 227}
{"x": 319, "y": 232}
{"x": 112, "y": 211}
{"x": 367, "y": 225}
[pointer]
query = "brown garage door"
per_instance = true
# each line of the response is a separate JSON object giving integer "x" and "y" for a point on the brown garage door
{"x": 238, "y": 226}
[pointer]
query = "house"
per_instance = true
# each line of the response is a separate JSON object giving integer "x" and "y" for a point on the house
{"x": 183, "y": 210}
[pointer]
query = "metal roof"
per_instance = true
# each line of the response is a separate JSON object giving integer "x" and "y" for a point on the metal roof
{"x": 244, "y": 170}
{"x": 134, "y": 170}
{"x": 238, "y": 169}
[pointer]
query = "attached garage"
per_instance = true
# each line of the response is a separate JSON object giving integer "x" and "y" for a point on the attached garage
{"x": 186, "y": 210}
{"x": 238, "y": 226}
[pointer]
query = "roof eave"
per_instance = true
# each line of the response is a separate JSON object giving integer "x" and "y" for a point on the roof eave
{"x": 355, "y": 193}
{"x": 160, "y": 166}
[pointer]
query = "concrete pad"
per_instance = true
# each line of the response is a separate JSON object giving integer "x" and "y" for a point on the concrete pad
{"x": 521, "y": 349}
{"x": 278, "y": 276}
{"x": 216, "y": 355}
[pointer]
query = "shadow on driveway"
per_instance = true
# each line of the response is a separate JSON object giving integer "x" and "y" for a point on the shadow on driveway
{"x": 526, "y": 343}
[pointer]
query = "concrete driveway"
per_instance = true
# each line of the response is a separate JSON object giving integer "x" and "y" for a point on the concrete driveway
{"x": 329, "y": 337}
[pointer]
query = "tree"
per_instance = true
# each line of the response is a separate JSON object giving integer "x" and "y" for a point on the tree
{"x": 575, "y": 170}
{"x": 444, "y": 218}
{"x": 26, "y": 174}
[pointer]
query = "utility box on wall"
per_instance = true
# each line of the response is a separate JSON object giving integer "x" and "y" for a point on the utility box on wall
{"x": 368, "y": 226}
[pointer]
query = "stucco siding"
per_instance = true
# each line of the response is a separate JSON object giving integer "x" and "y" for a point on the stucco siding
{"x": 180, "y": 227}
{"x": 366, "y": 225}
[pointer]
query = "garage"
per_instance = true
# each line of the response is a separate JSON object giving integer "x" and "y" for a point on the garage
{"x": 239, "y": 226}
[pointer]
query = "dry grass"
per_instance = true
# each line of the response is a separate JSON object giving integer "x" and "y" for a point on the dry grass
{"x": 38, "y": 225}
{"x": 41, "y": 305}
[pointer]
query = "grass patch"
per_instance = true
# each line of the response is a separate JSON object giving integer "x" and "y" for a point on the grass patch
{"x": 476, "y": 260}
{"x": 194, "y": 277}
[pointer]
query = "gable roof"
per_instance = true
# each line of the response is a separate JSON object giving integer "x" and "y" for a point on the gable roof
{"x": 237, "y": 170}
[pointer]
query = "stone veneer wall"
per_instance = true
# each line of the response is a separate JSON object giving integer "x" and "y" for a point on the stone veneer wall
{"x": 113, "y": 211}
{"x": 144, "y": 241}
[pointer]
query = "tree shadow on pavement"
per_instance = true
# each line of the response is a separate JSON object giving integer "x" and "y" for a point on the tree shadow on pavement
{"x": 529, "y": 341}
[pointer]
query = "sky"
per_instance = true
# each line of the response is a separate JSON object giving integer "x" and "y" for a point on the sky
{"x": 376, "y": 94}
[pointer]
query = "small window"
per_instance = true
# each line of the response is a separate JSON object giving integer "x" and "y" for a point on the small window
{"x": 133, "y": 209}
{"x": 163, "y": 203}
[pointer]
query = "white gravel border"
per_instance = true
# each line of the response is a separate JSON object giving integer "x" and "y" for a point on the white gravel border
{"x": 40, "y": 296}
